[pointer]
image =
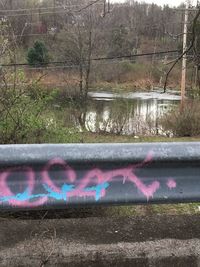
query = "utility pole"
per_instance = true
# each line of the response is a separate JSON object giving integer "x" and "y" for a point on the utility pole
{"x": 184, "y": 60}
{"x": 54, "y": 12}
{"x": 11, "y": 4}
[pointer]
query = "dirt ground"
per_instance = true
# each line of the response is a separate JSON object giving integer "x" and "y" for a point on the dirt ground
{"x": 51, "y": 239}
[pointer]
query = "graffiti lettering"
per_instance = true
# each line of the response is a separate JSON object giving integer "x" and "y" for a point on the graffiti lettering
{"x": 94, "y": 183}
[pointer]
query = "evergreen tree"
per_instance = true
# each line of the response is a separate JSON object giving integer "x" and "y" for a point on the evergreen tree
{"x": 38, "y": 54}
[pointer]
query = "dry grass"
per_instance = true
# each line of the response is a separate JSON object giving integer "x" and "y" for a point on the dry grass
{"x": 123, "y": 74}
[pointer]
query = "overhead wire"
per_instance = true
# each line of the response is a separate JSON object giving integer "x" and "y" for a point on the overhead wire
{"x": 52, "y": 11}
{"x": 150, "y": 27}
{"x": 38, "y": 8}
{"x": 130, "y": 57}
{"x": 92, "y": 59}
{"x": 85, "y": 65}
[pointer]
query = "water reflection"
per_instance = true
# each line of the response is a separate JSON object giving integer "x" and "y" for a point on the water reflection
{"x": 122, "y": 116}
{"x": 138, "y": 115}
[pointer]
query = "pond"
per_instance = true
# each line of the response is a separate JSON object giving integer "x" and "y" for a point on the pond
{"x": 135, "y": 113}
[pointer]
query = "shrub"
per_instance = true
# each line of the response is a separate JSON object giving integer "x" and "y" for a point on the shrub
{"x": 25, "y": 117}
{"x": 183, "y": 122}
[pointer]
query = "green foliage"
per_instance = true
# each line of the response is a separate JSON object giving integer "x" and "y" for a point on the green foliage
{"x": 38, "y": 54}
{"x": 25, "y": 117}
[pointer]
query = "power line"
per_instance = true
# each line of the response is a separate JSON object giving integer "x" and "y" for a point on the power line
{"x": 54, "y": 11}
{"x": 93, "y": 59}
{"x": 62, "y": 11}
{"x": 44, "y": 13}
{"x": 52, "y": 7}
{"x": 137, "y": 55}
{"x": 38, "y": 8}
{"x": 49, "y": 33}
{"x": 89, "y": 5}
{"x": 147, "y": 26}
{"x": 76, "y": 66}
{"x": 78, "y": 5}
{"x": 184, "y": 9}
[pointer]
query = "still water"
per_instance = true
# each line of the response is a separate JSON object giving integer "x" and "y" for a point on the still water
{"x": 130, "y": 113}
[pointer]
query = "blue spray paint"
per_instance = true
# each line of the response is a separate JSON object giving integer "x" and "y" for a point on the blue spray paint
{"x": 59, "y": 195}
{"x": 98, "y": 189}
{"x": 25, "y": 196}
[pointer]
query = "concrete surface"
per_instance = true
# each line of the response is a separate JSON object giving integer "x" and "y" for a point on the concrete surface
{"x": 129, "y": 241}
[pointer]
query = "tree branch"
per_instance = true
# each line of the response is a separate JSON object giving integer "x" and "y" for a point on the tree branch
{"x": 186, "y": 51}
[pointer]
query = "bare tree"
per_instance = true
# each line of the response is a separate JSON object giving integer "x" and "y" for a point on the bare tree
{"x": 189, "y": 48}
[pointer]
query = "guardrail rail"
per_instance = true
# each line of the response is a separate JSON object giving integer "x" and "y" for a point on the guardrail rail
{"x": 60, "y": 176}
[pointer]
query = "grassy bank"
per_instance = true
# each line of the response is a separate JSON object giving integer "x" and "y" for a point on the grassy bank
{"x": 122, "y": 76}
{"x": 110, "y": 138}
{"x": 151, "y": 209}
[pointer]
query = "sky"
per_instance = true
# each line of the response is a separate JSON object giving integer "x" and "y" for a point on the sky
{"x": 162, "y": 2}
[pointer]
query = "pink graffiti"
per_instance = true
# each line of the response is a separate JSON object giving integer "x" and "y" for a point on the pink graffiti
{"x": 94, "y": 176}
{"x": 171, "y": 183}
{"x": 69, "y": 172}
{"x": 6, "y": 192}
{"x": 98, "y": 177}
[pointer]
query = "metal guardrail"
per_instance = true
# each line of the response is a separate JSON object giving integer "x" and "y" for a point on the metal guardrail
{"x": 60, "y": 176}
